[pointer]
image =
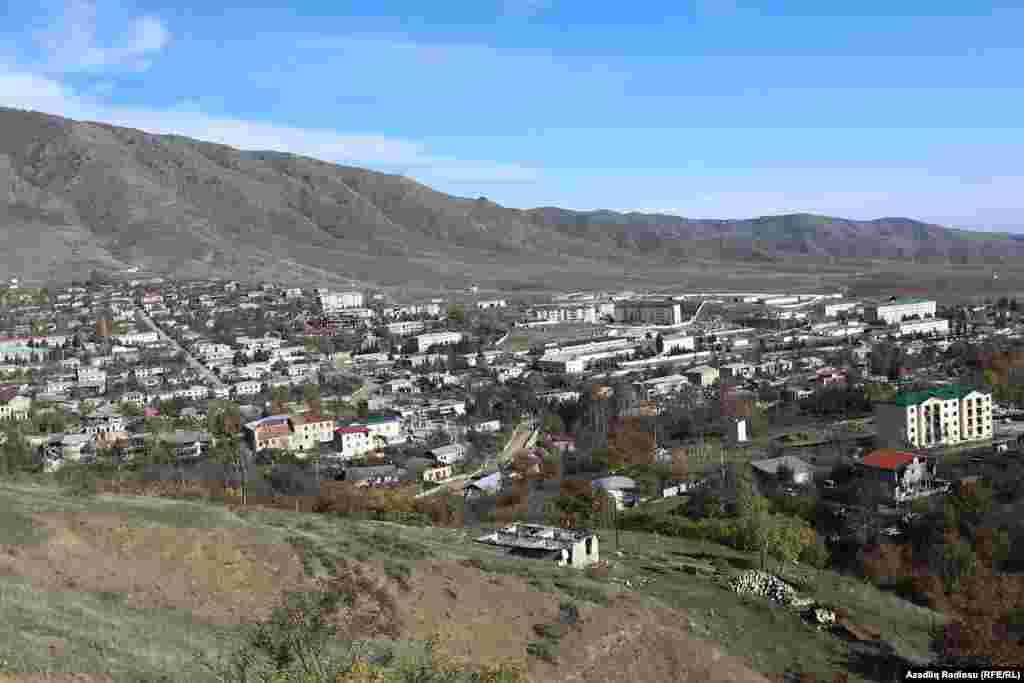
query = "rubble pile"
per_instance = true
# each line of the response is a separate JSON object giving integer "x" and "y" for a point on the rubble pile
{"x": 764, "y": 585}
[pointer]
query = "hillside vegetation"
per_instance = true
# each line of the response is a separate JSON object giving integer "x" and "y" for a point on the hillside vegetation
{"x": 148, "y": 589}
{"x": 82, "y": 196}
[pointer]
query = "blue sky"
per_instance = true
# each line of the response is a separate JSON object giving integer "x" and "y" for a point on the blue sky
{"x": 702, "y": 108}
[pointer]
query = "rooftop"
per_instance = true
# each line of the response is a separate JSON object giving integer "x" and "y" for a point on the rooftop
{"x": 946, "y": 393}
{"x": 889, "y": 459}
{"x": 535, "y": 537}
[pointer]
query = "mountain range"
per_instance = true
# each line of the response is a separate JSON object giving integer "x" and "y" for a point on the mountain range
{"x": 79, "y": 196}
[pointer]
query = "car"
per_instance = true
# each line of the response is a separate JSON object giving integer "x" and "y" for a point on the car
{"x": 829, "y": 484}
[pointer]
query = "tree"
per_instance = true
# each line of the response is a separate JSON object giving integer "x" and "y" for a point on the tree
{"x": 680, "y": 464}
{"x": 86, "y": 408}
{"x": 552, "y": 424}
{"x": 456, "y": 313}
{"x": 362, "y": 410}
{"x": 278, "y": 400}
{"x": 311, "y": 395}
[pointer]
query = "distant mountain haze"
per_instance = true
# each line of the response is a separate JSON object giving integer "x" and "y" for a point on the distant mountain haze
{"x": 78, "y": 196}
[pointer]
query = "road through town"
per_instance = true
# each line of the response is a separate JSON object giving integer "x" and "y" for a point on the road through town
{"x": 203, "y": 371}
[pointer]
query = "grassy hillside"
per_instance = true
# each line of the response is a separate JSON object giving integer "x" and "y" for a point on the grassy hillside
{"x": 71, "y": 602}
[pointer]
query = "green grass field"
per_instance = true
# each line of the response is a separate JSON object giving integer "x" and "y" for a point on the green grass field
{"x": 101, "y": 633}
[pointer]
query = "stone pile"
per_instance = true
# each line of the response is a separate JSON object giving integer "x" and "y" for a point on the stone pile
{"x": 765, "y": 585}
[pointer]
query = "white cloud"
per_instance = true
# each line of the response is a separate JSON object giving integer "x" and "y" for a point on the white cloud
{"x": 73, "y": 43}
{"x": 31, "y": 91}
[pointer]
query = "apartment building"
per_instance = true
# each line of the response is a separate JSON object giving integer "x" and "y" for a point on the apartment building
{"x": 937, "y": 326}
{"x": 578, "y": 313}
{"x": 425, "y": 341}
{"x": 649, "y": 311}
{"x": 936, "y": 417}
{"x": 337, "y": 301}
{"x": 309, "y": 431}
{"x": 404, "y": 329}
{"x": 897, "y": 310}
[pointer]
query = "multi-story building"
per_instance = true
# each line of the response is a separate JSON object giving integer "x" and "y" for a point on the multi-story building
{"x": 936, "y": 417}
{"x": 937, "y": 326}
{"x": 494, "y": 303}
{"x": 336, "y": 301}
{"x": 425, "y": 341}
{"x": 352, "y": 442}
{"x": 452, "y": 453}
{"x": 309, "y": 431}
{"x": 575, "y": 313}
{"x": 897, "y": 310}
{"x": 649, "y": 311}
{"x": 402, "y": 329}
{"x": 137, "y": 338}
{"x": 897, "y": 475}
{"x": 834, "y": 309}
{"x": 274, "y": 431}
{"x": 246, "y": 388}
{"x": 12, "y": 406}
{"x": 679, "y": 342}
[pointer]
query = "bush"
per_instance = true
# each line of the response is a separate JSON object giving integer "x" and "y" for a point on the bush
{"x": 815, "y": 554}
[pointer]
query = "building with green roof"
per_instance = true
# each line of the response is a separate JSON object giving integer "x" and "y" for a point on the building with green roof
{"x": 928, "y": 418}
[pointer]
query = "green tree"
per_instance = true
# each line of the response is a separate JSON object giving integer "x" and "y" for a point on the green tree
{"x": 362, "y": 410}
{"x": 457, "y": 313}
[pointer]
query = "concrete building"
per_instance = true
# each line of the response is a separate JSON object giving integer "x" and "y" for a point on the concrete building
{"x": 738, "y": 371}
{"x": 937, "y": 417}
{"x": 404, "y": 329}
{"x": 494, "y": 303}
{"x": 679, "y": 342}
{"x": 447, "y": 455}
{"x": 331, "y": 302}
{"x": 898, "y": 475}
{"x": 578, "y": 313}
{"x": 897, "y": 310}
{"x": 649, "y": 311}
{"x": 575, "y": 548}
{"x": 309, "y": 431}
{"x": 425, "y": 341}
{"x": 353, "y": 442}
{"x": 14, "y": 407}
{"x": 936, "y": 326}
{"x": 702, "y": 375}
{"x": 834, "y": 309}
{"x": 270, "y": 432}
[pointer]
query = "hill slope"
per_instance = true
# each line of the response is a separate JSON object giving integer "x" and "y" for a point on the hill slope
{"x": 79, "y": 195}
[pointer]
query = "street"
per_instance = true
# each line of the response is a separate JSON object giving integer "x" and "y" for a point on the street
{"x": 189, "y": 358}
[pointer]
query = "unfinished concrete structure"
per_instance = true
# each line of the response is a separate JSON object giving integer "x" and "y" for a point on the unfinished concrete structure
{"x": 568, "y": 547}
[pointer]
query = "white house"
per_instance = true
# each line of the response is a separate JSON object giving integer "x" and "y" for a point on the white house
{"x": 452, "y": 453}
{"x": 353, "y": 442}
{"x": 247, "y": 388}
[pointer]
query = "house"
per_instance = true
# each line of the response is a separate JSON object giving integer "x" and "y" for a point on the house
{"x": 702, "y": 375}
{"x": 13, "y": 406}
{"x": 786, "y": 469}
{"x": 577, "y": 548}
{"x": 565, "y": 443}
{"x": 898, "y": 475}
{"x": 829, "y": 376}
{"x": 486, "y": 426}
{"x": 309, "y": 431}
{"x": 352, "y": 442}
{"x": 187, "y": 445}
{"x": 269, "y": 432}
{"x": 446, "y": 455}
{"x": 489, "y": 484}
{"x": 945, "y": 415}
{"x": 437, "y": 474}
{"x": 61, "y": 448}
{"x": 374, "y": 475}
{"x": 737, "y": 371}
{"x": 495, "y": 303}
{"x": 246, "y": 388}
{"x": 623, "y": 490}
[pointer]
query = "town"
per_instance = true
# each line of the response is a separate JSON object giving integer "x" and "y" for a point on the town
{"x": 541, "y": 418}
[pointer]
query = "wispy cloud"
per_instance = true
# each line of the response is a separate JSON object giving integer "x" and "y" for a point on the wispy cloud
{"x": 74, "y": 43}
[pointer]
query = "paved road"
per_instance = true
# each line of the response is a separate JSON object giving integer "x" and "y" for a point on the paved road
{"x": 204, "y": 371}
